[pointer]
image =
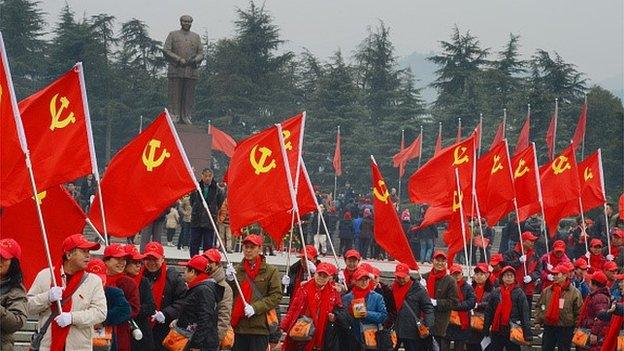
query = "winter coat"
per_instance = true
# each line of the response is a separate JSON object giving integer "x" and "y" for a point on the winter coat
{"x": 386, "y": 292}
{"x": 572, "y": 302}
{"x": 375, "y": 313}
{"x": 581, "y": 285}
{"x": 545, "y": 271}
{"x": 117, "y": 307}
{"x": 512, "y": 258}
{"x": 131, "y": 293}
{"x": 420, "y": 303}
{"x": 454, "y": 332}
{"x": 88, "y": 308}
{"x": 447, "y": 299}
{"x": 520, "y": 311}
{"x": 142, "y": 319}
{"x": 345, "y": 229}
{"x": 366, "y": 228}
{"x": 430, "y": 232}
{"x": 214, "y": 199}
{"x": 225, "y": 304}
{"x": 12, "y": 313}
{"x": 198, "y": 310}
{"x": 596, "y": 302}
{"x": 269, "y": 285}
{"x": 172, "y": 219}
{"x": 475, "y": 336}
{"x": 509, "y": 233}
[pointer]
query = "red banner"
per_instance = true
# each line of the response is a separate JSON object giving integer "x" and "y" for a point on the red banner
{"x": 591, "y": 180}
{"x": 526, "y": 182}
{"x": 337, "y": 162}
{"x": 221, "y": 141}
{"x": 495, "y": 187}
{"x": 523, "y": 137}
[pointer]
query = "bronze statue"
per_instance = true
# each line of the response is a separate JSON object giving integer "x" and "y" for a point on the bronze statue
{"x": 183, "y": 49}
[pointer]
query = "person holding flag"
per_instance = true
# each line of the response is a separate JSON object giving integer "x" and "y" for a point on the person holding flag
{"x": 216, "y": 273}
{"x": 551, "y": 260}
{"x": 594, "y": 257}
{"x": 616, "y": 251}
{"x": 442, "y": 290}
{"x": 525, "y": 263}
{"x": 483, "y": 288}
{"x": 297, "y": 271}
{"x": 458, "y": 329}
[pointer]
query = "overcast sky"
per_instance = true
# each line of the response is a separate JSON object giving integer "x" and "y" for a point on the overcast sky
{"x": 589, "y": 34}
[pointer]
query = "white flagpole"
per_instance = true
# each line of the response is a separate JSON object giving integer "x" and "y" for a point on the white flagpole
{"x": 336, "y": 175}
{"x": 461, "y": 214}
{"x": 552, "y": 156}
{"x": 458, "y": 136}
{"x": 504, "y": 122}
{"x": 604, "y": 196}
{"x": 541, "y": 201}
{"x": 586, "y": 117}
{"x": 476, "y": 206}
{"x": 420, "y": 146}
{"x": 96, "y": 172}
{"x": 401, "y": 167}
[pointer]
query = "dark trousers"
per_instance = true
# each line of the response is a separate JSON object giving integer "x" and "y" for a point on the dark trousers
{"x": 170, "y": 234}
{"x": 185, "y": 233}
{"x": 414, "y": 344}
{"x": 201, "y": 236}
{"x": 473, "y": 347}
{"x": 249, "y": 342}
{"x": 560, "y": 337}
{"x": 345, "y": 244}
{"x": 364, "y": 245}
{"x": 445, "y": 344}
{"x": 500, "y": 341}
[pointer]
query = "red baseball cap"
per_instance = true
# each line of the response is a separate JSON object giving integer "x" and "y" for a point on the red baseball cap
{"x": 507, "y": 269}
{"x": 375, "y": 271}
{"x": 154, "y": 249}
{"x": 311, "y": 252}
{"x": 528, "y": 236}
{"x": 359, "y": 274}
{"x": 455, "y": 268}
{"x": 600, "y": 277}
{"x": 253, "y": 239}
{"x": 439, "y": 254}
{"x": 580, "y": 263}
{"x": 568, "y": 265}
{"x": 115, "y": 250}
{"x": 133, "y": 253}
{"x": 9, "y": 248}
{"x": 352, "y": 253}
{"x": 561, "y": 268}
{"x": 327, "y": 268}
{"x": 609, "y": 266}
{"x": 213, "y": 255}
{"x": 559, "y": 245}
{"x": 97, "y": 267}
{"x": 482, "y": 267}
{"x": 595, "y": 243}
{"x": 199, "y": 262}
{"x": 401, "y": 270}
{"x": 78, "y": 241}
{"x": 496, "y": 259}
{"x": 618, "y": 232}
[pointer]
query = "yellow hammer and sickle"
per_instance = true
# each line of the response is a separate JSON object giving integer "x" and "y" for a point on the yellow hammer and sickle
{"x": 587, "y": 174}
{"x": 286, "y": 134}
{"x": 56, "y": 114}
{"x": 259, "y": 165}
{"x": 40, "y": 197}
{"x": 460, "y": 155}
{"x": 496, "y": 166}
{"x": 522, "y": 169}
{"x": 381, "y": 193}
{"x": 560, "y": 165}
{"x": 150, "y": 161}
{"x": 457, "y": 200}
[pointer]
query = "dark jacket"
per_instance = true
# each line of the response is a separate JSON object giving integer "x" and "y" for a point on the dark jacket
{"x": 145, "y": 312}
{"x": 384, "y": 290}
{"x": 596, "y": 302}
{"x": 131, "y": 293}
{"x": 366, "y": 229}
{"x": 118, "y": 308}
{"x": 297, "y": 270}
{"x": 454, "y": 332}
{"x": 175, "y": 287}
{"x": 198, "y": 309}
{"x": 512, "y": 258}
{"x": 420, "y": 303}
{"x": 430, "y": 232}
{"x": 446, "y": 296}
{"x": 214, "y": 199}
{"x": 475, "y": 336}
{"x": 345, "y": 229}
{"x": 520, "y": 311}
{"x": 12, "y": 313}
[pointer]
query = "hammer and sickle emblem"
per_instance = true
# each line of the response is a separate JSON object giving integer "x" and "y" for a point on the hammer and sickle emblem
{"x": 381, "y": 192}
{"x": 40, "y": 197}
{"x": 286, "y": 134}
{"x": 522, "y": 169}
{"x": 56, "y": 113}
{"x": 150, "y": 161}
{"x": 260, "y": 165}
{"x": 460, "y": 155}
{"x": 560, "y": 165}
{"x": 496, "y": 166}
{"x": 457, "y": 200}
{"x": 587, "y": 174}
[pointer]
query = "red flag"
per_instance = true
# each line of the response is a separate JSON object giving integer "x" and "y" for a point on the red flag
{"x": 337, "y": 157}
{"x": 388, "y": 230}
{"x": 57, "y": 128}
{"x": 495, "y": 187}
{"x": 62, "y": 216}
{"x": 411, "y": 152}
{"x": 453, "y": 236}
{"x": 591, "y": 179}
{"x": 526, "y": 182}
{"x": 579, "y": 133}
{"x": 500, "y": 134}
{"x": 523, "y": 137}
{"x": 438, "y": 142}
{"x": 221, "y": 141}
{"x": 551, "y": 136}
{"x": 560, "y": 188}
{"x": 145, "y": 177}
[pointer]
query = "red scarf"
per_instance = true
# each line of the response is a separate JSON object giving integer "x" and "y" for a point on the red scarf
{"x": 197, "y": 280}
{"x": 463, "y": 315}
{"x": 596, "y": 261}
{"x": 348, "y": 274}
{"x": 479, "y": 292}
{"x": 59, "y": 335}
{"x": 252, "y": 271}
{"x": 494, "y": 277}
{"x": 137, "y": 278}
{"x": 399, "y": 291}
{"x": 552, "y": 312}
{"x": 503, "y": 310}
{"x": 111, "y": 280}
{"x": 320, "y": 303}
{"x": 158, "y": 287}
{"x": 616, "y": 324}
{"x": 432, "y": 279}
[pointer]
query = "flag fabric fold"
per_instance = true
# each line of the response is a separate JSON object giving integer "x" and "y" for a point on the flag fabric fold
{"x": 526, "y": 182}
{"x": 523, "y": 137}
{"x": 591, "y": 180}
{"x": 409, "y": 153}
{"x": 579, "y": 132}
{"x": 337, "y": 161}
{"x": 500, "y": 134}
{"x": 494, "y": 184}
{"x": 550, "y": 137}
{"x": 438, "y": 142}
{"x": 221, "y": 141}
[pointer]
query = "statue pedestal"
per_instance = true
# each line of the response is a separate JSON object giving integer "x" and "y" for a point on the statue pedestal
{"x": 197, "y": 144}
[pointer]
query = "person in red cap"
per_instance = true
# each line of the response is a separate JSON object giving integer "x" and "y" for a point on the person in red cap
{"x": 13, "y": 297}
{"x": 385, "y": 291}
{"x": 442, "y": 289}
{"x": 459, "y": 333}
{"x": 551, "y": 260}
{"x": 483, "y": 288}
{"x": 352, "y": 260}
{"x": 558, "y": 309}
{"x": 610, "y": 269}
{"x": 497, "y": 262}
{"x": 316, "y": 299}
{"x": 595, "y": 257}
{"x": 599, "y": 300}
{"x": 80, "y": 293}
{"x": 507, "y": 303}
{"x": 167, "y": 287}
{"x": 261, "y": 288}
{"x": 297, "y": 273}
{"x": 413, "y": 306}
{"x": 217, "y": 273}
{"x": 518, "y": 258}
{"x": 579, "y": 276}
{"x": 617, "y": 247}
{"x": 198, "y": 307}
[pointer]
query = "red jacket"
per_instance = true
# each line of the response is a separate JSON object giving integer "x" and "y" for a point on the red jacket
{"x": 596, "y": 302}
{"x": 131, "y": 293}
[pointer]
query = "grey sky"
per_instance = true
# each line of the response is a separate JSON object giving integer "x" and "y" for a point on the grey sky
{"x": 589, "y": 34}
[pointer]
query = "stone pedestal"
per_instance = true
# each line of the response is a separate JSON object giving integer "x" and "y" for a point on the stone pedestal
{"x": 198, "y": 145}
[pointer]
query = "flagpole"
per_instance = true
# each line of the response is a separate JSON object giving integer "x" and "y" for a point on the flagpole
{"x": 476, "y": 200}
{"x": 292, "y": 226}
{"x": 400, "y": 169}
{"x": 461, "y": 214}
{"x": 480, "y": 133}
{"x": 88, "y": 221}
{"x": 420, "y": 146}
{"x": 140, "y": 124}
{"x": 541, "y": 200}
{"x": 335, "y": 174}
{"x": 96, "y": 171}
{"x": 584, "y": 230}
{"x": 604, "y": 204}
{"x": 24, "y": 146}
{"x": 504, "y": 121}
{"x": 583, "y": 142}
{"x": 555, "y": 131}
{"x": 458, "y": 137}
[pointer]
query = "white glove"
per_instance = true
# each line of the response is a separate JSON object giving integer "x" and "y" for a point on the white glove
{"x": 286, "y": 280}
{"x": 549, "y": 267}
{"x": 423, "y": 282}
{"x": 341, "y": 277}
{"x": 311, "y": 267}
{"x": 550, "y": 277}
{"x": 527, "y": 279}
{"x": 610, "y": 257}
{"x": 230, "y": 272}
{"x": 64, "y": 319}
{"x": 249, "y": 310}
{"x": 522, "y": 258}
{"x": 587, "y": 255}
{"x": 434, "y": 302}
{"x": 159, "y": 317}
{"x": 469, "y": 281}
{"x": 55, "y": 293}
